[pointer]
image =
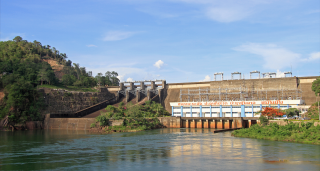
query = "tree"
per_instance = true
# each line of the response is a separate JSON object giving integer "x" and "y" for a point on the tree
{"x": 291, "y": 112}
{"x": 17, "y": 39}
{"x": 316, "y": 86}
{"x": 68, "y": 63}
{"x": 98, "y": 78}
{"x": 68, "y": 79}
{"x": 42, "y": 75}
{"x": 77, "y": 69}
{"x": 271, "y": 112}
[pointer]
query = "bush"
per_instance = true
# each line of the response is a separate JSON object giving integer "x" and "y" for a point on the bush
{"x": 306, "y": 133}
{"x": 264, "y": 120}
{"x": 103, "y": 120}
{"x": 92, "y": 125}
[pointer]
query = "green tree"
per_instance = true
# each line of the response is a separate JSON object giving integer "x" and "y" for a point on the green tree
{"x": 316, "y": 86}
{"x": 68, "y": 79}
{"x": 291, "y": 112}
{"x": 17, "y": 39}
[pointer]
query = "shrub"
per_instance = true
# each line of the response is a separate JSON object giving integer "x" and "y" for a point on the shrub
{"x": 92, "y": 125}
{"x": 263, "y": 120}
{"x": 103, "y": 120}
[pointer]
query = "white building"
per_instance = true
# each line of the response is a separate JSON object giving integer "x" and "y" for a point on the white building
{"x": 229, "y": 108}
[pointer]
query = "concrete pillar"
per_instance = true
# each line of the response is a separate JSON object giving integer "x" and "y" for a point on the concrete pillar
{"x": 199, "y": 124}
{"x": 220, "y": 110}
{"x": 153, "y": 85}
{"x": 190, "y": 111}
{"x": 249, "y": 123}
{"x": 181, "y": 111}
{"x": 127, "y": 96}
{"x": 219, "y": 124}
{"x": 200, "y": 111}
{"x": 121, "y": 86}
{"x": 142, "y": 85}
{"x": 164, "y": 84}
{"x": 193, "y": 124}
{"x": 252, "y": 112}
{"x": 131, "y": 86}
{"x": 149, "y": 95}
{"x": 206, "y": 124}
{"x": 138, "y": 96}
{"x": 213, "y": 124}
{"x": 243, "y": 113}
{"x": 234, "y": 124}
{"x": 187, "y": 124}
{"x": 287, "y": 106}
{"x": 278, "y": 106}
{"x": 231, "y": 114}
{"x": 210, "y": 111}
{"x": 227, "y": 124}
{"x": 172, "y": 111}
{"x": 260, "y": 107}
{"x": 237, "y": 123}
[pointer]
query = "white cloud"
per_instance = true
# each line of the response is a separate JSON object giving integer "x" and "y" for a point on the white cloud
{"x": 280, "y": 74}
{"x": 228, "y": 10}
{"x": 91, "y": 46}
{"x": 206, "y": 78}
{"x": 226, "y": 15}
{"x": 158, "y": 64}
{"x": 312, "y": 57}
{"x": 275, "y": 57}
{"x": 129, "y": 79}
{"x": 117, "y": 35}
{"x": 120, "y": 77}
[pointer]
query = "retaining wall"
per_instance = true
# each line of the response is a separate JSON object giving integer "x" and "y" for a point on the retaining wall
{"x": 68, "y": 102}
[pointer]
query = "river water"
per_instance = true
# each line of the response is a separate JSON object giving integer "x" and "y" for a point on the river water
{"x": 161, "y": 149}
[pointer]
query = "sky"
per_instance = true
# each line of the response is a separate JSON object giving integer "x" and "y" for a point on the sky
{"x": 175, "y": 40}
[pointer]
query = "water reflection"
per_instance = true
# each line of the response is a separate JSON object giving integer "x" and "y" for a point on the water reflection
{"x": 169, "y": 149}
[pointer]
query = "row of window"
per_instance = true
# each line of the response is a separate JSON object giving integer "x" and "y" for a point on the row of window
{"x": 216, "y": 107}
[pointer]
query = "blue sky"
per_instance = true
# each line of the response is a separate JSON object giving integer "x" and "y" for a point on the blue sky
{"x": 176, "y": 40}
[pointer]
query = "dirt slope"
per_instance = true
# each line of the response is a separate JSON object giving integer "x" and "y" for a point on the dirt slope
{"x": 57, "y": 68}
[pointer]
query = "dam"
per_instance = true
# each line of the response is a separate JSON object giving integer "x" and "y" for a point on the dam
{"x": 216, "y": 104}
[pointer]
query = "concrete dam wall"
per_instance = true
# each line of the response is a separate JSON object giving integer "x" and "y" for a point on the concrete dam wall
{"x": 265, "y": 89}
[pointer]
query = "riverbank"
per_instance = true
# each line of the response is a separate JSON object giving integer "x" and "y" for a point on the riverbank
{"x": 292, "y": 132}
{"x": 128, "y": 125}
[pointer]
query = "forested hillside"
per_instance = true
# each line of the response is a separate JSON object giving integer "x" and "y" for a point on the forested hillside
{"x": 24, "y": 67}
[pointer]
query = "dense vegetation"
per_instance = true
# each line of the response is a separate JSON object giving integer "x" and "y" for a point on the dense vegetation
{"x": 23, "y": 67}
{"x": 313, "y": 111}
{"x": 316, "y": 86}
{"x": 136, "y": 117}
{"x": 306, "y": 133}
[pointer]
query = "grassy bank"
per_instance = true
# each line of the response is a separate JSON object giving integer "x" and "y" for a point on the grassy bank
{"x": 306, "y": 133}
{"x": 133, "y": 125}
{"x": 135, "y": 117}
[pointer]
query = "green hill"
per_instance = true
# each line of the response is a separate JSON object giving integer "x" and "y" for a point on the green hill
{"x": 24, "y": 66}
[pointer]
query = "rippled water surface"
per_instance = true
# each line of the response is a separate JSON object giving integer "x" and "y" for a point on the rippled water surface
{"x": 162, "y": 149}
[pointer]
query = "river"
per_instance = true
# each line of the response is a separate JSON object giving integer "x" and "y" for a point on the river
{"x": 160, "y": 149}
